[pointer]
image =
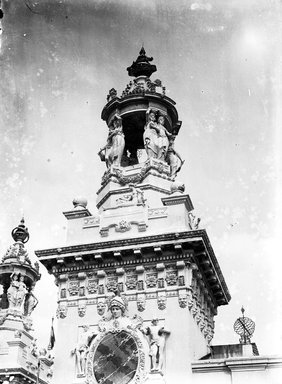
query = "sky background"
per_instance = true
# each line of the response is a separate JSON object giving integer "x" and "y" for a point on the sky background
{"x": 218, "y": 60}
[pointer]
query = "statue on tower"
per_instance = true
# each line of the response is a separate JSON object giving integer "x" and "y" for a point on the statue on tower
{"x": 81, "y": 349}
{"x": 173, "y": 158}
{"x": 163, "y": 138}
{"x": 157, "y": 335}
{"x": 156, "y": 136}
{"x": 16, "y": 292}
{"x": 112, "y": 152}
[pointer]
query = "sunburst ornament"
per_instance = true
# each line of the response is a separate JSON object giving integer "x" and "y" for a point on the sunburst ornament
{"x": 245, "y": 327}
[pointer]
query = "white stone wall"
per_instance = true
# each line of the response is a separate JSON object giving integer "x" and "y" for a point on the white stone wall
{"x": 240, "y": 370}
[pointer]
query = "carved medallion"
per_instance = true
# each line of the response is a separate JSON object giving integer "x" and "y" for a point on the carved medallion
{"x": 123, "y": 226}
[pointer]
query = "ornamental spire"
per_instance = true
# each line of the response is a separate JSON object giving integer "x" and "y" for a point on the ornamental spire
{"x": 142, "y": 66}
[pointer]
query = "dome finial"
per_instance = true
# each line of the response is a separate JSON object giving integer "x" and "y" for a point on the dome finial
{"x": 142, "y": 65}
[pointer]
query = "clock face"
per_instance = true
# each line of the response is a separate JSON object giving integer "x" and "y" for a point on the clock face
{"x": 115, "y": 358}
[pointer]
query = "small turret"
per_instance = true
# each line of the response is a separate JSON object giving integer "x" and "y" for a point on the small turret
{"x": 20, "y": 357}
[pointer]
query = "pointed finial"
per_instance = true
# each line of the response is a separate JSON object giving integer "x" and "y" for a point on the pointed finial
{"x": 242, "y": 310}
{"x": 142, "y": 51}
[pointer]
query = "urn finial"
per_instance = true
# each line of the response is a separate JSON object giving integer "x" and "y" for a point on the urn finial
{"x": 142, "y": 66}
{"x": 20, "y": 233}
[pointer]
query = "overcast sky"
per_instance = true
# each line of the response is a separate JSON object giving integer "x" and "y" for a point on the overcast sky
{"x": 218, "y": 61}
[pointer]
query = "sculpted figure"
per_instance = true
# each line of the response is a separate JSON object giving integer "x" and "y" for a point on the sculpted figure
{"x": 193, "y": 221}
{"x": 141, "y": 304}
{"x": 136, "y": 197}
{"x": 81, "y": 350}
{"x": 112, "y": 152}
{"x": 163, "y": 138}
{"x": 173, "y": 158}
{"x": 81, "y": 310}
{"x": 34, "y": 348}
{"x": 30, "y": 302}
{"x": 150, "y": 135}
{"x": 117, "y": 307}
{"x": 182, "y": 300}
{"x": 21, "y": 294}
{"x": 157, "y": 335}
{"x": 13, "y": 291}
{"x": 162, "y": 302}
{"x": 156, "y": 136}
{"x": 101, "y": 308}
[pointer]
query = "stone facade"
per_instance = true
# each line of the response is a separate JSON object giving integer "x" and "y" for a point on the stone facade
{"x": 144, "y": 244}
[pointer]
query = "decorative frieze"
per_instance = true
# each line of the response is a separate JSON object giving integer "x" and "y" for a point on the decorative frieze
{"x": 92, "y": 286}
{"x": 131, "y": 281}
{"x": 112, "y": 283}
{"x": 92, "y": 221}
{"x": 156, "y": 213}
{"x": 151, "y": 279}
{"x": 171, "y": 277}
{"x": 73, "y": 288}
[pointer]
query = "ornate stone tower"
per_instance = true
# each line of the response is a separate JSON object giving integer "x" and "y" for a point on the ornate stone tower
{"x": 144, "y": 246}
{"x": 20, "y": 360}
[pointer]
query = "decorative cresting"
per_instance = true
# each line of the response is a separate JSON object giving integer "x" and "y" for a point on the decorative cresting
{"x": 118, "y": 352}
{"x": 18, "y": 278}
{"x": 142, "y": 122}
